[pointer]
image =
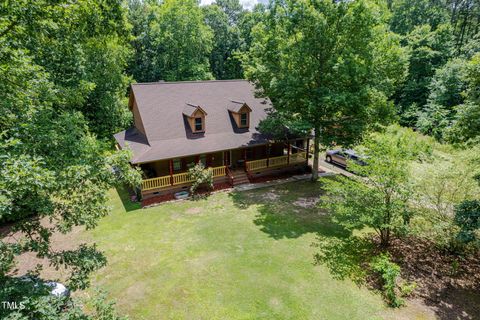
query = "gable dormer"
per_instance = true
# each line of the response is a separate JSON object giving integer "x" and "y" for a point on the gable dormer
{"x": 195, "y": 117}
{"x": 240, "y": 112}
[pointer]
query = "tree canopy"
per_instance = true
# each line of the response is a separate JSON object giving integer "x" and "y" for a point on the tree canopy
{"x": 327, "y": 63}
{"x": 63, "y": 84}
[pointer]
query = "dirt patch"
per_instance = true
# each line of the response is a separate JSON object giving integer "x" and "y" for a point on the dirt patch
{"x": 204, "y": 261}
{"x": 270, "y": 196}
{"x": 306, "y": 202}
{"x": 194, "y": 210}
{"x": 448, "y": 283}
{"x": 29, "y": 261}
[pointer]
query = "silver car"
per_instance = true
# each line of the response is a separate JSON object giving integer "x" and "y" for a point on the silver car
{"x": 341, "y": 156}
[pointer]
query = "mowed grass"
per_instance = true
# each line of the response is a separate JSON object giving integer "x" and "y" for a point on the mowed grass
{"x": 233, "y": 255}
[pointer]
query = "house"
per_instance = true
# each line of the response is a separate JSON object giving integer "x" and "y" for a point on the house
{"x": 178, "y": 124}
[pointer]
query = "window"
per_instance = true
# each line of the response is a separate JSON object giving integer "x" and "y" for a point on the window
{"x": 177, "y": 165}
{"x": 198, "y": 124}
{"x": 244, "y": 119}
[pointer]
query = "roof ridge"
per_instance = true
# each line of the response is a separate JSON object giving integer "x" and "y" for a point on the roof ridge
{"x": 188, "y": 81}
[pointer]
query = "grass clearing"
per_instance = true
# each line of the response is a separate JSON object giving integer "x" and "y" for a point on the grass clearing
{"x": 245, "y": 255}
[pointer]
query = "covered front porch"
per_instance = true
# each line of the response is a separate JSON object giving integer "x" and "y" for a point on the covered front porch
{"x": 170, "y": 175}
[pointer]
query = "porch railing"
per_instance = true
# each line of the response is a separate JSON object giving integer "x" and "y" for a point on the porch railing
{"x": 155, "y": 183}
{"x": 176, "y": 179}
{"x": 218, "y": 171}
{"x": 276, "y": 161}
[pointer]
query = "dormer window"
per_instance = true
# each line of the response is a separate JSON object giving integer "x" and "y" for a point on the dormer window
{"x": 198, "y": 124}
{"x": 195, "y": 116}
{"x": 240, "y": 111}
{"x": 243, "y": 119}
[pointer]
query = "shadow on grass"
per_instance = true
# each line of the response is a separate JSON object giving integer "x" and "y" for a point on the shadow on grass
{"x": 292, "y": 210}
{"x": 128, "y": 204}
{"x": 289, "y": 210}
{"x": 345, "y": 257}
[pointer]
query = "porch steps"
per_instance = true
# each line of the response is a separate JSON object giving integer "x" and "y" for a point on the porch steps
{"x": 240, "y": 177}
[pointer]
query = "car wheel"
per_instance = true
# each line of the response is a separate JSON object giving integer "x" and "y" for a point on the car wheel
{"x": 328, "y": 159}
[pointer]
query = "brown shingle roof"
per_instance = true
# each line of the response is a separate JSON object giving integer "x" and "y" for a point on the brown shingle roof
{"x": 190, "y": 109}
{"x": 162, "y": 107}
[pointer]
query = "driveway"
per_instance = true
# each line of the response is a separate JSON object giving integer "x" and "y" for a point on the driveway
{"x": 331, "y": 168}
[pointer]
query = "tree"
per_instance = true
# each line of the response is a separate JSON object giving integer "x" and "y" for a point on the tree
{"x": 232, "y": 8}
{"x": 462, "y": 15}
{"x": 464, "y": 19}
{"x": 227, "y": 41}
{"x": 181, "y": 41}
{"x": 171, "y": 41}
{"x": 381, "y": 200}
{"x": 441, "y": 182}
{"x": 280, "y": 127}
{"x": 467, "y": 123}
{"x": 334, "y": 64}
{"x": 54, "y": 173}
{"x": 83, "y": 46}
{"x": 409, "y": 14}
{"x": 141, "y": 15}
{"x": 467, "y": 217}
{"x": 249, "y": 20}
{"x": 429, "y": 49}
{"x": 446, "y": 92}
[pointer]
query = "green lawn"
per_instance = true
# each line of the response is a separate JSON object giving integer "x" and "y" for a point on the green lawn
{"x": 232, "y": 256}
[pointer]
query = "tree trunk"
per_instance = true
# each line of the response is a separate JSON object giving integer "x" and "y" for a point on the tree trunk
{"x": 384, "y": 237}
{"x": 316, "y": 152}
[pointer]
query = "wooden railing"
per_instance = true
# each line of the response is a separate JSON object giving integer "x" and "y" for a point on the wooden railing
{"x": 218, "y": 171}
{"x": 298, "y": 157}
{"x": 276, "y": 161}
{"x": 257, "y": 164}
{"x": 155, "y": 183}
{"x": 179, "y": 178}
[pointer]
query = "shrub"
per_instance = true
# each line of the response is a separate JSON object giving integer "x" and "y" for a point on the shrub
{"x": 200, "y": 177}
{"x": 407, "y": 288}
{"x": 467, "y": 217}
{"x": 389, "y": 271}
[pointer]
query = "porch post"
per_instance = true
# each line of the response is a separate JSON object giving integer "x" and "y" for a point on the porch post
{"x": 208, "y": 160}
{"x": 268, "y": 155}
{"x": 171, "y": 171}
{"x": 288, "y": 152}
{"x": 197, "y": 159}
{"x": 245, "y": 158}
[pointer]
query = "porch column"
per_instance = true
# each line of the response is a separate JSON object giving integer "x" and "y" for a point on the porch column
{"x": 171, "y": 171}
{"x": 208, "y": 160}
{"x": 288, "y": 152}
{"x": 245, "y": 158}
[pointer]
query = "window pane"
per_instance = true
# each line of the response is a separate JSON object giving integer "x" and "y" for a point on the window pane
{"x": 198, "y": 124}
{"x": 177, "y": 165}
{"x": 243, "y": 119}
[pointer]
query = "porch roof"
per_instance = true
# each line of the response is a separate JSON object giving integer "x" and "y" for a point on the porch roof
{"x": 181, "y": 147}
